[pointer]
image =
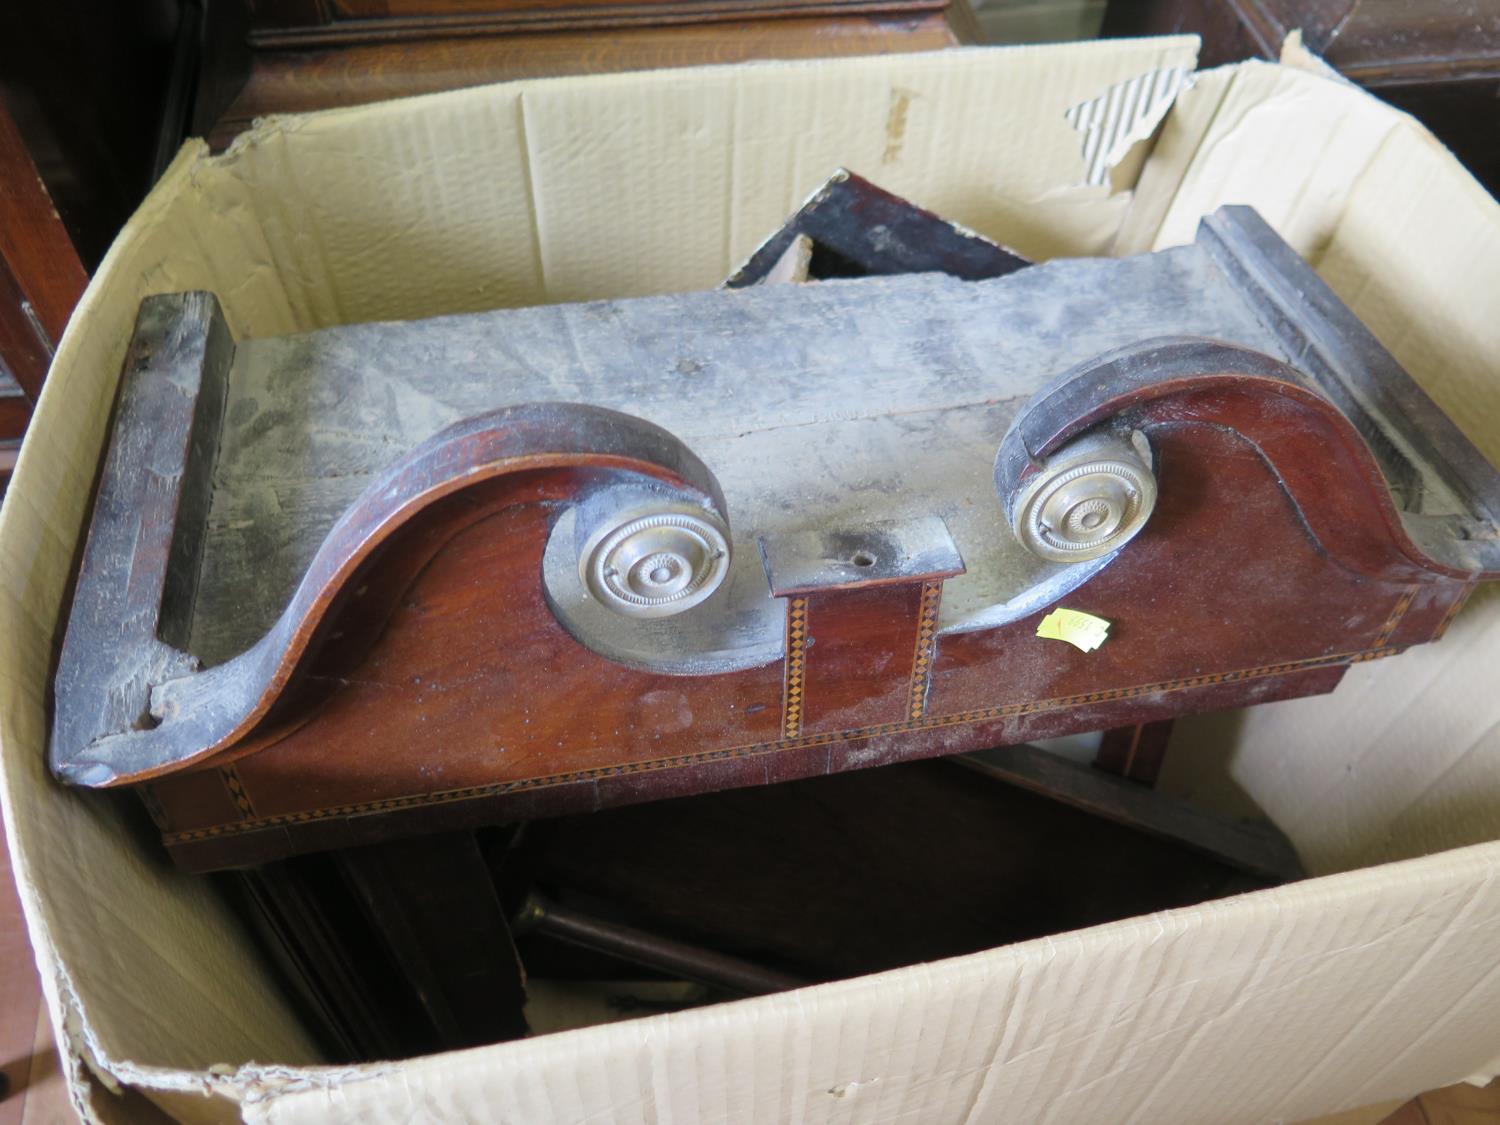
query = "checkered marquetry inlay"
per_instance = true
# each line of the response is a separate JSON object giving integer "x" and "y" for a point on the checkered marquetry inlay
{"x": 1458, "y": 604}
{"x": 825, "y": 738}
{"x": 796, "y": 668}
{"x": 236, "y": 787}
{"x": 1397, "y": 613}
{"x": 921, "y": 662}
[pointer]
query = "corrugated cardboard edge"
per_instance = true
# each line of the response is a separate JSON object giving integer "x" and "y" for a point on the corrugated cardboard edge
{"x": 56, "y": 845}
{"x": 319, "y": 257}
{"x": 1405, "y": 758}
{"x": 1247, "y": 1009}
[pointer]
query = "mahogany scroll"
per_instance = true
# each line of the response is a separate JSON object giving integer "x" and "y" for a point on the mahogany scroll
{"x": 422, "y": 677}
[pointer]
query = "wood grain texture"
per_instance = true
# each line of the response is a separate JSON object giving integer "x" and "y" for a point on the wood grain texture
{"x": 860, "y": 655}
{"x": 34, "y": 244}
{"x": 643, "y": 732}
{"x": 41, "y": 279}
{"x": 24, "y": 356}
{"x": 347, "y": 22}
{"x": 1256, "y": 395}
{"x": 505, "y": 458}
{"x": 138, "y": 573}
{"x": 239, "y": 842}
{"x": 1135, "y": 753}
{"x": 418, "y": 678}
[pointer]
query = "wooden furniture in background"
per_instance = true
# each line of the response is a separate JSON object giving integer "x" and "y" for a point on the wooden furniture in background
{"x": 1437, "y": 59}
{"x": 317, "y": 54}
{"x": 94, "y": 101}
{"x": 892, "y": 867}
{"x": 41, "y": 278}
{"x": 82, "y": 93}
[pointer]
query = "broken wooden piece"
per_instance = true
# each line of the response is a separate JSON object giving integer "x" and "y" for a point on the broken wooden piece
{"x": 850, "y": 227}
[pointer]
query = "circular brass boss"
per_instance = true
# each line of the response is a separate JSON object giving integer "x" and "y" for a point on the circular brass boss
{"x": 1090, "y": 498}
{"x": 656, "y": 563}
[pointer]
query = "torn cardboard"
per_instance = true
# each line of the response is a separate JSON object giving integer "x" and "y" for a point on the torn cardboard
{"x": 1366, "y": 985}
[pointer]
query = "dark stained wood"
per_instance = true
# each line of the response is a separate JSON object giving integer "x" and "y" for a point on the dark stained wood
{"x": 1364, "y": 39}
{"x": 15, "y": 412}
{"x": 1135, "y": 753}
{"x": 1275, "y": 558}
{"x": 24, "y": 356}
{"x": 297, "y": 80}
{"x": 391, "y": 951}
{"x": 860, "y": 872}
{"x": 41, "y": 277}
{"x": 483, "y": 465}
{"x": 544, "y": 918}
{"x": 403, "y": 949}
{"x": 139, "y": 566}
{"x": 243, "y": 840}
{"x": 84, "y": 83}
{"x": 324, "y": 950}
{"x": 857, "y": 645}
{"x": 1257, "y": 847}
{"x": 211, "y": 60}
{"x": 858, "y": 229}
{"x": 433, "y": 901}
{"x": 1245, "y": 391}
{"x": 1231, "y": 29}
{"x": 1171, "y": 639}
{"x": 1437, "y": 59}
{"x": 353, "y": 21}
{"x": 79, "y": 90}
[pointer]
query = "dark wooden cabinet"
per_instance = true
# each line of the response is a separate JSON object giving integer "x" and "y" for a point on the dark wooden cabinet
{"x": 1439, "y": 60}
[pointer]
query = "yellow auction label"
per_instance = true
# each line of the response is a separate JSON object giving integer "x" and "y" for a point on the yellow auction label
{"x": 1083, "y": 631}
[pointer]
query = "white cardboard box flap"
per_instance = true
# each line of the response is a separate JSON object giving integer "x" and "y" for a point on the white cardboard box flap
{"x": 1318, "y": 996}
{"x": 1235, "y": 1011}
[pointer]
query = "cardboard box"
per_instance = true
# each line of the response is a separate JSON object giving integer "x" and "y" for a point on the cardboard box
{"x": 1368, "y": 983}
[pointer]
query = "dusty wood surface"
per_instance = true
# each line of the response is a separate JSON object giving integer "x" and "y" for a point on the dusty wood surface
{"x": 140, "y": 564}
{"x": 853, "y": 228}
{"x": 424, "y": 672}
{"x": 815, "y": 406}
